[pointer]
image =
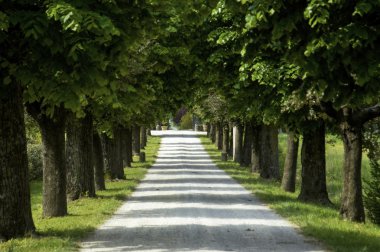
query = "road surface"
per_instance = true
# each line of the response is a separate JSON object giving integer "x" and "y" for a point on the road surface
{"x": 186, "y": 203}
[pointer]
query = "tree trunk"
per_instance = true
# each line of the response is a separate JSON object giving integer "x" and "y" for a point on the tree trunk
{"x": 129, "y": 142}
{"x": 269, "y": 163}
{"x": 98, "y": 162}
{"x": 143, "y": 137}
{"x": 256, "y": 146}
{"x": 117, "y": 169}
{"x": 136, "y": 140}
{"x": 226, "y": 132}
{"x": 79, "y": 159}
{"x": 290, "y": 168}
{"x": 219, "y": 136}
{"x": 247, "y": 146}
{"x": 107, "y": 152}
{"x": 352, "y": 200}
{"x": 313, "y": 159}
{"x": 237, "y": 142}
{"x": 212, "y": 133}
{"x": 15, "y": 208}
{"x": 54, "y": 168}
{"x": 208, "y": 129}
{"x": 231, "y": 140}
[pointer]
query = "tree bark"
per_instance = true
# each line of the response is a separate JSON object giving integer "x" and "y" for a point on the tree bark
{"x": 219, "y": 135}
{"x": 136, "y": 140}
{"x": 212, "y": 133}
{"x": 352, "y": 200}
{"x": 290, "y": 167}
{"x": 231, "y": 140}
{"x": 237, "y": 142}
{"x": 247, "y": 146}
{"x": 107, "y": 152}
{"x": 226, "y": 132}
{"x": 269, "y": 163}
{"x": 54, "y": 167}
{"x": 129, "y": 142}
{"x": 117, "y": 169}
{"x": 79, "y": 157}
{"x": 256, "y": 146}
{"x": 143, "y": 137}
{"x": 313, "y": 159}
{"x": 98, "y": 162}
{"x": 15, "y": 207}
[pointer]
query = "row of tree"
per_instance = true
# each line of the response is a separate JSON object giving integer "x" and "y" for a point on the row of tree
{"x": 81, "y": 68}
{"x": 302, "y": 66}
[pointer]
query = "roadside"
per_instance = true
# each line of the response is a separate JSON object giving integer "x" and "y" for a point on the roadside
{"x": 85, "y": 215}
{"x": 320, "y": 222}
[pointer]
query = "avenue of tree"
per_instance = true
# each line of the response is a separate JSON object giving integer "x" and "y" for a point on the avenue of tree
{"x": 97, "y": 75}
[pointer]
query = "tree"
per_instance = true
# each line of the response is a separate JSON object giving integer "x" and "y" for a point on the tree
{"x": 15, "y": 209}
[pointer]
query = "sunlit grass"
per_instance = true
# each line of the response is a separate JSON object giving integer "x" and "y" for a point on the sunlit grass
{"x": 323, "y": 223}
{"x": 64, "y": 233}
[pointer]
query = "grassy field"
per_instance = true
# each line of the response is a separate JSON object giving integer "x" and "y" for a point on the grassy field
{"x": 323, "y": 223}
{"x": 63, "y": 233}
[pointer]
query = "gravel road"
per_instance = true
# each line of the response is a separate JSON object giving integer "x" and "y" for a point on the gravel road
{"x": 186, "y": 203}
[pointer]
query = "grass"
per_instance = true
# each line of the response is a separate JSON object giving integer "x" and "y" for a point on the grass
{"x": 85, "y": 215}
{"x": 320, "y": 222}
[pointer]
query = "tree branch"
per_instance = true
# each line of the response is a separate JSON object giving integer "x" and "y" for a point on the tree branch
{"x": 366, "y": 114}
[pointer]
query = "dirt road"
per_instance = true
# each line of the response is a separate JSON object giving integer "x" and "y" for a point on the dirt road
{"x": 185, "y": 203}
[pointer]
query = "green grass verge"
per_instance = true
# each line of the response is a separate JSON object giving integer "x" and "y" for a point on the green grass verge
{"x": 323, "y": 223}
{"x": 85, "y": 215}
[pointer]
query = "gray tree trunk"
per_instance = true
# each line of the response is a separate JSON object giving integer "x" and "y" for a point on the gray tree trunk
{"x": 226, "y": 132}
{"x": 98, "y": 162}
{"x": 219, "y": 135}
{"x": 290, "y": 167}
{"x": 54, "y": 202}
{"x": 247, "y": 146}
{"x": 117, "y": 168}
{"x": 352, "y": 199}
{"x": 313, "y": 159}
{"x": 269, "y": 163}
{"x": 15, "y": 208}
{"x": 256, "y": 148}
{"x": 143, "y": 137}
{"x": 136, "y": 140}
{"x": 237, "y": 142}
{"x": 79, "y": 157}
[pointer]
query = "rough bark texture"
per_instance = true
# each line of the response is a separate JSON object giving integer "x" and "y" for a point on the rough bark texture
{"x": 15, "y": 208}
{"x": 107, "y": 147}
{"x": 54, "y": 168}
{"x": 219, "y": 136}
{"x": 136, "y": 140}
{"x": 352, "y": 200}
{"x": 269, "y": 159}
{"x": 79, "y": 157}
{"x": 212, "y": 133}
{"x": 143, "y": 137}
{"x": 226, "y": 133}
{"x": 247, "y": 146}
{"x": 237, "y": 142}
{"x": 208, "y": 129}
{"x": 256, "y": 145}
{"x": 313, "y": 159}
{"x": 290, "y": 167}
{"x": 231, "y": 140}
{"x": 117, "y": 169}
{"x": 129, "y": 141}
{"x": 98, "y": 162}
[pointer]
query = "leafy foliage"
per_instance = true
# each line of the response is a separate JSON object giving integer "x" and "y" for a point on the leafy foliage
{"x": 372, "y": 190}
